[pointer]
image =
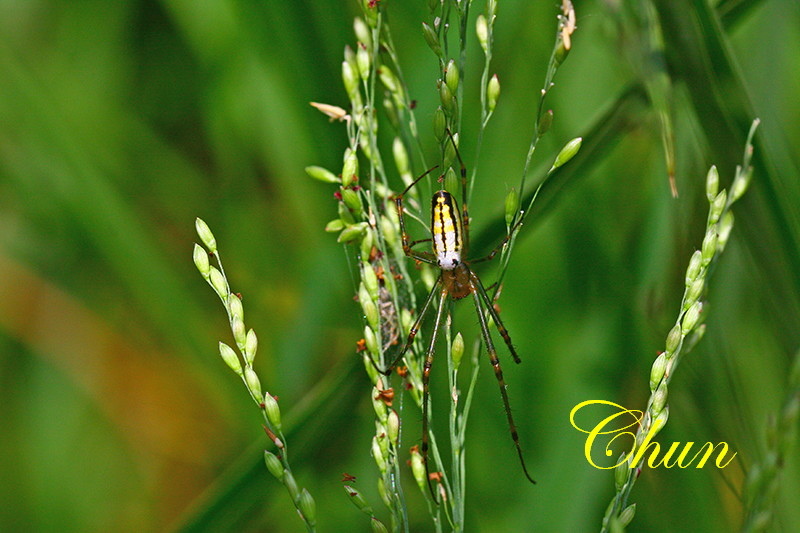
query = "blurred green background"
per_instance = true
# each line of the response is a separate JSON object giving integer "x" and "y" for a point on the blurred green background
{"x": 120, "y": 122}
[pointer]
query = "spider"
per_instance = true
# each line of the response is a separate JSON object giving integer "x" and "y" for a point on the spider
{"x": 450, "y": 242}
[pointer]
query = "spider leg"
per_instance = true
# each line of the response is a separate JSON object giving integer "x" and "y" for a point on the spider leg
{"x": 414, "y": 243}
{"x": 498, "y": 372}
{"x": 499, "y": 247}
{"x": 476, "y": 281}
{"x": 426, "y": 373}
{"x": 425, "y": 257}
{"x": 414, "y": 329}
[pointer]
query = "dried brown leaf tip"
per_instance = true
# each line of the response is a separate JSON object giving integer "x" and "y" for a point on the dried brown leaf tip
{"x": 331, "y": 111}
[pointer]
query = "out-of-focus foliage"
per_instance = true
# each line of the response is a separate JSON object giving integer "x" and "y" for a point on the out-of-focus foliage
{"x": 120, "y": 122}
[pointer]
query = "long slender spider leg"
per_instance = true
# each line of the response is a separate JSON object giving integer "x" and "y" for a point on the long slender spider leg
{"x": 425, "y": 257}
{"x": 499, "y": 247}
{"x": 464, "y": 202}
{"x": 495, "y": 316}
{"x": 426, "y": 373}
{"x": 414, "y": 329}
{"x": 498, "y": 372}
{"x": 414, "y": 243}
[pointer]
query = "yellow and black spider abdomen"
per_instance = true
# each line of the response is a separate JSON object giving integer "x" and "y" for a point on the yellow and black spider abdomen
{"x": 446, "y": 230}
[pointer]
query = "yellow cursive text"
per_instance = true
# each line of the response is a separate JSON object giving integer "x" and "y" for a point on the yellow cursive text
{"x": 637, "y": 454}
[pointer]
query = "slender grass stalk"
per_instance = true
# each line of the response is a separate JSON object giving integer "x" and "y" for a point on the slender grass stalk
{"x": 542, "y": 122}
{"x": 686, "y": 332}
{"x": 763, "y": 478}
{"x": 242, "y": 364}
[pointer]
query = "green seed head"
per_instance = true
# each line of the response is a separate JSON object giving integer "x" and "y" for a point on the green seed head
{"x": 362, "y": 32}
{"x": 545, "y": 122}
{"x": 370, "y": 340}
{"x": 291, "y": 485}
{"x": 725, "y": 227}
{"x": 712, "y": 183}
{"x": 621, "y": 472}
{"x": 235, "y": 307}
{"x": 627, "y": 515}
{"x": 273, "y": 411}
{"x": 446, "y": 96}
{"x": 439, "y": 124}
{"x": 230, "y": 358}
{"x": 307, "y": 507}
{"x": 512, "y": 203}
{"x": 393, "y": 427}
{"x": 709, "y": 245}
{"x": 451, "y": 76}
{"x": 358, "y": 500}
{"x": 659, "y": 399}
{"x": 377, "y": 454}
{"x": 694, "y": 291}
{"x": 353, "y": 201}
{"x": 661, "y": 420}
{"x": 252, "y": 381}
{"x": 378, "y": 405}
{"x": 371, "y": 313}
{"x": 695, "y": 264}
{"x": 717, "y": 206}
{"x": 377, "y": 526}
{"x": 457, "y": 350}
{"x": 363, "y": 60}
{"x": 350, "y": 79}
{"x": 562, "y": 51}
{"x": 432, "y": 39}
{"x": 352, "y": 232}
{"x": 366, "y": 243}
{"x": 451, "y": 181}
{"x": 322, "y": 174}
{"x": 218, "y": 282}
{"x": 691, "y": 317}
{"x": 658, "y": 370}
{"x": 250, "y": 346}
{"x": 567, "y": 153}
{"x": 239, "y": 332}
{"x": 273, "y": 465}
{"x": 200, "y": 257}
{"x": 482, "y": 31}
{"x": 492, "y": 93}
{"x": 418, "y": 469}
{"x": 370, "y": 10}
{"x": 741, "y": 183}
{"x": 349, "y": 168}
{"x": 345, "y": 215}
{"x": 204, "y": 232}
{"x": 385, "y": 495}
{"x": 370, "y": 280}
{"x": 673, "y": 340}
